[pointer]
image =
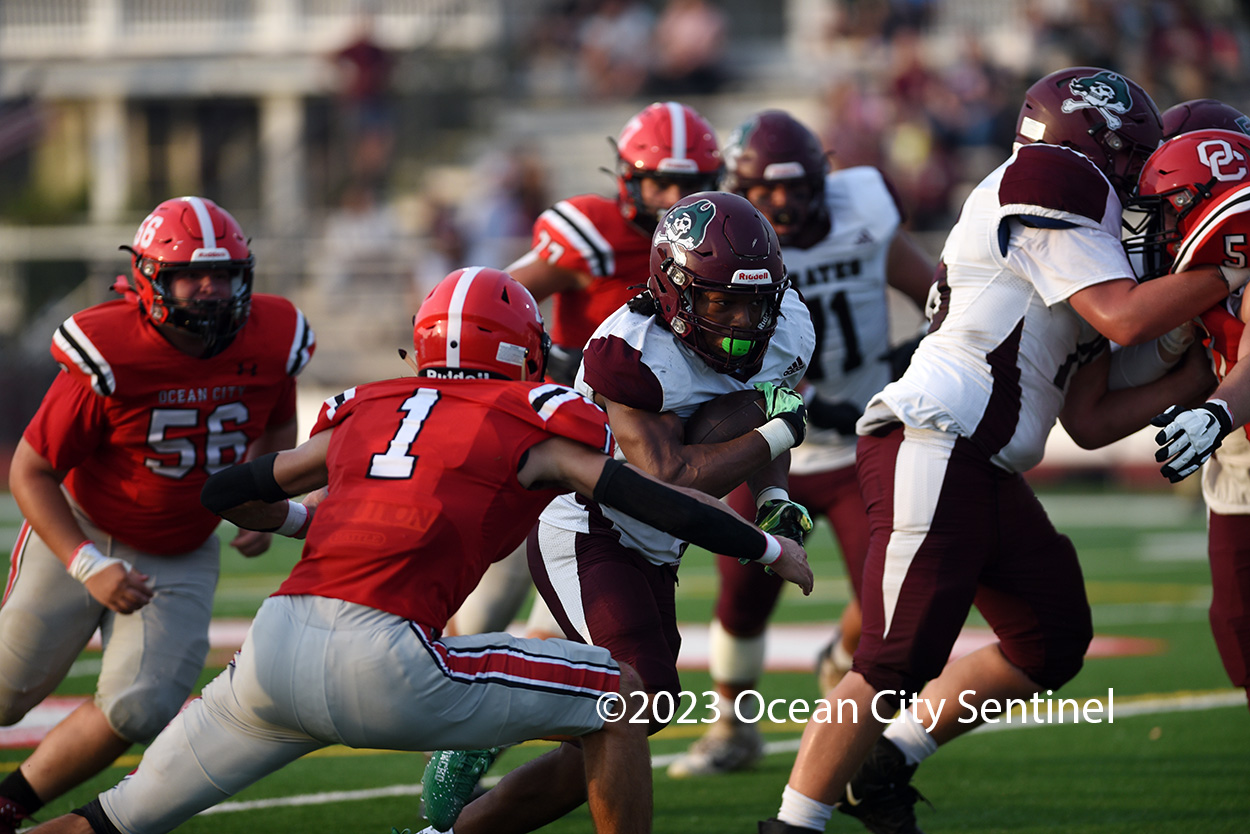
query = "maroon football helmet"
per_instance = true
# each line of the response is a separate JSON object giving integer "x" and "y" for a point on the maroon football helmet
{"x": 1098, "y": 112}
{"x": 192, "y": 234}
{"x": 480, "y": 322}
{"x": 666, "y": 141}
{"x": 1195, "y": 193}
{"x": 773, "y": 147}
{"x": 1203, "y": 114}
{"x": 717, "y": 241}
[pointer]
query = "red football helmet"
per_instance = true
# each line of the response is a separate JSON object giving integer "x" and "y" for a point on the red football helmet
{"x": 1195, "y": 193}
{"x": 717, "y": 241}
{"x": 192, "y": 234}
{"x": 773, "y": 147}
{"x": 1202, "y": 114}
{"x": 480, "y": 323}
{"x": 666, "y": 141}
{"x": 1098, "y": 112}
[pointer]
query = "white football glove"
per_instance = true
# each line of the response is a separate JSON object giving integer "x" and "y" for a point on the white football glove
{"x": 1190, "y": 437}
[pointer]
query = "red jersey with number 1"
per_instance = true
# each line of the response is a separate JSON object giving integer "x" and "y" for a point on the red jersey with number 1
{"x": 139, "y": 425}
{"x": 423, "y": 493}
{"x": 588, "y": 234}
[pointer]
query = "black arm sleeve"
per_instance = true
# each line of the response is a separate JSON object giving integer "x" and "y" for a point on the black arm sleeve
{"x": 241, "y": 483}
{"x": 649, "y": 501}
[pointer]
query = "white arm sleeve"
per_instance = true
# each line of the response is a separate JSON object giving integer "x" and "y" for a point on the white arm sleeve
{"x": 1136, "y": 365}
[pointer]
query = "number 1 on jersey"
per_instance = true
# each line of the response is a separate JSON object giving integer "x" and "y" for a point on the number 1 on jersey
{"x": 396, "y": 463}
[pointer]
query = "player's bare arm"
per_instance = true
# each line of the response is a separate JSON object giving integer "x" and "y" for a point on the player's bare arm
{"x": 1130, "y": 313}
{"x": 1094, "y": 416}
{"x": 686, "y": 513}
{"x": 36, "y": 486}
{"x": 255, "y": 495}
{"x": 909, "y": 268}
{"x": 655, "y": 444}
{"x": 544, "y": 279}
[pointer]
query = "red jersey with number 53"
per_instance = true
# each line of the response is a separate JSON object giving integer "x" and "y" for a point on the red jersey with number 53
{"x": 139, "y": 425}
{"x": 423, "y": 494}
{"x": 588, "y": 234}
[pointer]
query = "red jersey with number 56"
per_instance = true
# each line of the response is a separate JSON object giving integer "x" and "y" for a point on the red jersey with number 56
{"x": 423, "y": 493}
{"x": 139, "y": 425}
{"x": 588, "y": 234}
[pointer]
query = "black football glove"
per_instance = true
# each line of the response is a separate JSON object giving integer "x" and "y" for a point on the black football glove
{"x": 839, "y": 415}
{"x": 562, "y": 364}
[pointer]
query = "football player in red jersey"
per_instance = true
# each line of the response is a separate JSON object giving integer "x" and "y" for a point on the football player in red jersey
{"x": 1196, "y": 191}
{"x": 590, "y": 256}
{"x": 1033, "y": 283}
{"x": 719, "y": 315}
{"x": 429, "y": 480}
{"x": 842, "y": 241}
{"x": 186, "y": 374}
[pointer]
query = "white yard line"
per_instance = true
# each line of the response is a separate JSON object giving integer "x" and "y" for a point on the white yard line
{"x": 1150, "y": 705}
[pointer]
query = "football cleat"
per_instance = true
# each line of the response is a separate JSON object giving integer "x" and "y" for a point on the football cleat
{"x": 727, "y": 747}
{"x": 828, "y": 670}
{"x": 776, "y": 826}
{"x": 450, "y": 779}
{"x": 880, "y": 795}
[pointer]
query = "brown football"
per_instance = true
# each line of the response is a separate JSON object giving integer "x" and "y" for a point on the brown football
{"x": 726, "y": 417}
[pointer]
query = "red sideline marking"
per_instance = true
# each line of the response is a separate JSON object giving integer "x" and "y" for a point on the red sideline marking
{"x": 791, "y": 648}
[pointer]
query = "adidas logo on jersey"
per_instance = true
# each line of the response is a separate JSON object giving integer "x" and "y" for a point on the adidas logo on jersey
{"x": 797, "y": 365}
{"x": 865, "y": 236}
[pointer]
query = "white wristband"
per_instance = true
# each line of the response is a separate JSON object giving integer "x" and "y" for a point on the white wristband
{"x": 88, "y": 561}
{"x": 779, "y": 436}
{"x": 296, "y": 515}
{"x": 772, "y": 552}
{"x": 772, "y": 493}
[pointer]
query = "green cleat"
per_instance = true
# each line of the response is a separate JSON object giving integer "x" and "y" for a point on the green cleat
{"x": 449, "y": 781}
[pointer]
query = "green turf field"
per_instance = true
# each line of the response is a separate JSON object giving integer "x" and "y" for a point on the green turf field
{"x": 1176, "y": 759}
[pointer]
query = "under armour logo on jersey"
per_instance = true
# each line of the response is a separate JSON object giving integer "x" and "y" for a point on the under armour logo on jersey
{"x": 243, "y": 368}
{"x": 865, "y": 236}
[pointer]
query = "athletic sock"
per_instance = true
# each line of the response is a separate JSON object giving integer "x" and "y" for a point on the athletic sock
{"x": 16, "y": 788}
{"x": 802, "y": 811}
{"x": 909, "y": 736}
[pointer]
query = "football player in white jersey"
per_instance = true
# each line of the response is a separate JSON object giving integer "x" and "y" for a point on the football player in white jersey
{"x": 1033, "y": 282}
{"x": 718, "y": 316}
{"x": 842, "y": 241}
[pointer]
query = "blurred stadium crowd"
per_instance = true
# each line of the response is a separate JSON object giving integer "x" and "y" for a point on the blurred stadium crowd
{"x": 373, "y": 146}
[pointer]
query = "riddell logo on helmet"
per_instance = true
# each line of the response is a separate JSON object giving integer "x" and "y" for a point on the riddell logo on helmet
{"x": 752, "y": 276}
{"x": 1107, "y": 92}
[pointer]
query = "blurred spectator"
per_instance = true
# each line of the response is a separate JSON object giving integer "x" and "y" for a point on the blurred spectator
{"x": 689, "y": 48}
{"x": 359, "y": 236}
{"x": 365, "y": 100}
{"x": 496, "y": 218}
{"x": 615, "y": 49}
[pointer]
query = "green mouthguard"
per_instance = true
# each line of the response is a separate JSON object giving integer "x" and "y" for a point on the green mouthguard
{"x": 736, "y": 347}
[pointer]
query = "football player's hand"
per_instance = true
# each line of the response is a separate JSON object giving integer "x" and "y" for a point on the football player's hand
{"x": 783, "y": 517}
{"x": 312, "y": 499}
{"x": 251, "y": 542}
{"x": 839, "y": 415}
{"x": 786, "y": 404}
{"x": 1188, "y": 438}
{"x": 792, "y": 565}
{"x": 121, "y": 590}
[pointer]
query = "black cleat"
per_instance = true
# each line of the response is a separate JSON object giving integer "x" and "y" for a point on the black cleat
{"x": 776, "y": 826}
{"x": 880, "y": 794}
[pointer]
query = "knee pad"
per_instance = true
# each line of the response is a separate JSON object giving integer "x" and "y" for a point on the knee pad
{"x": 139, "y": 713}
